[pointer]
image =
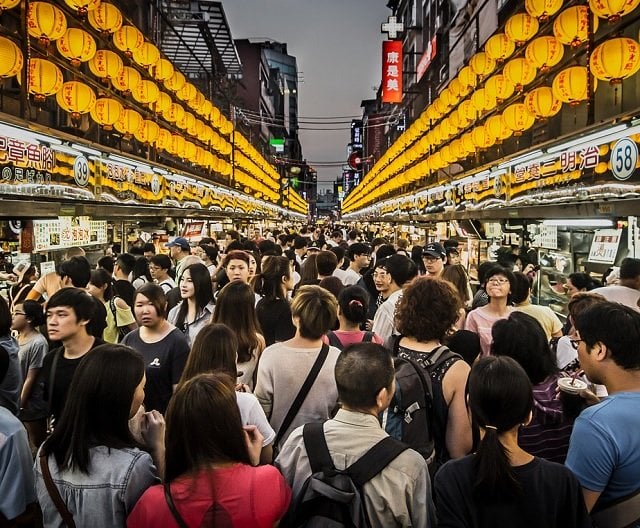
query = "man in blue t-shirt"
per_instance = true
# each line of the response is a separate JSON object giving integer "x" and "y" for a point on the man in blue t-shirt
{"x": 604, "y": 452}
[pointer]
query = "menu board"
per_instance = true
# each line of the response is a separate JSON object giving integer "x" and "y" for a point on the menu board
{"x": 68, "y": 231}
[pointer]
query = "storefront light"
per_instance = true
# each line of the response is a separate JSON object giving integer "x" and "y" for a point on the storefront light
{"x": 521, "y": 159}
{"x": 579, "y": 222}
{"x": 597, "y": 138}
{"x": 86, "y": 150}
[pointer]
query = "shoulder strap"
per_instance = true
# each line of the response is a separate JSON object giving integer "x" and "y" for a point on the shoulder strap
{"x": 316, "y": 446}
{"x": 174, "y": 511}
{"x": 396, "y": 344}
{"x": 302, "y": 394}
{"x": 623, "y": 512}
{"x": 334, "y": 341}
{"x": 114, "y": 309}
{"x": 54, "y": 493}
{"x": 440, "y": 355}
{"x": 375, "y": 460}
{"x": 367, "y": 337}
{"x": 52, "y": 375}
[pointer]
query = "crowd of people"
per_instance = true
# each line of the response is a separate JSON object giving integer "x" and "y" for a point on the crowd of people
{"x": 217, "y": 384}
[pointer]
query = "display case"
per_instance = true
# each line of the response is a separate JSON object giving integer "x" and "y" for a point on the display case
{"x": 477, "y": 253}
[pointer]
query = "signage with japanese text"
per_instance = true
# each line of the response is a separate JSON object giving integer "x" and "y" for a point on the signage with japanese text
{"x": 392, "y": 71}
{"x": 604, "y": 247}
{"x": 67, "y": 231}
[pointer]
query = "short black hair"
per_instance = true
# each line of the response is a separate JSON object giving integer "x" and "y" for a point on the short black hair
{"x": 402, "y": 269}
{"x": 300, "y": 242}
{"x": 149, "y": 247}
{"x": 126, "y": 261}
{"x": 106, "y": 263}
{"x": 5, "y": 317}
{"x": 77, "y": 269}
{"x": 520, "y": 287}
{"x": 76, "y": 299}
{"x": 629, "y": 268}
{"x": 338, "y": 251}
{"x": 162, "y": 261}
{"x": 359, "y": 248}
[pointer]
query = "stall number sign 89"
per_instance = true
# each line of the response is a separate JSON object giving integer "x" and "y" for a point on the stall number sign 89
{"x": 624, "y": 157}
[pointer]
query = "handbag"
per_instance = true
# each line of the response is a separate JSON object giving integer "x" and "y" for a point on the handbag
{"x": 64, "y": 512}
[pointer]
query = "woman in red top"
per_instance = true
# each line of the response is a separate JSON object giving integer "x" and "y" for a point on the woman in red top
{"x": 210, "y": 476}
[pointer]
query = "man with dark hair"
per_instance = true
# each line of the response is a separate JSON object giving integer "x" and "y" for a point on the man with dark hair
{"x": 121, "y": 272}
{"x": 75, "y": 272}
{"x": 300, "y": 244}
{"x": 434, "y": 256}
{"x": 326, "y": 262}
{"x": 360, "y": 256}
{"x": 604, "y": 451}
{"x": 148, "y": 250}
{"x": 340, "y": 253}
{"x": 400, "y": 495}
{"x": 352, "y": 236}
{"x": 159, "y": 267}
{"x": 521, "y": 298}
{"x": 627, "y": 291}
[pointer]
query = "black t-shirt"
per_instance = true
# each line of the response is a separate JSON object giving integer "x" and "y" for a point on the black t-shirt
{"x": 65, "y": 368}
{"x": 125, "y": 290}
{"x": 274, "y": 316}
{"x": 551, "y": 497}
{"x": 164, "y": 362}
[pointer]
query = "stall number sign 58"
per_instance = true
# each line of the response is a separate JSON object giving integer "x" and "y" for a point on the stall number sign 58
{"x": 624, "y": 157}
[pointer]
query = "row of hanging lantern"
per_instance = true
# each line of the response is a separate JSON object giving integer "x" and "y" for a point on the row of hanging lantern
{"x": 204, "y": 122}
{"x": 476, "y": 90}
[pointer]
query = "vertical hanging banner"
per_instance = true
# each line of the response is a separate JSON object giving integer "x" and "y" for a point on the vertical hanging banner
{"x": 392, "y": 71}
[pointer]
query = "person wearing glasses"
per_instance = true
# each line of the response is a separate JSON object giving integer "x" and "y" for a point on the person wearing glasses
{"x": 159, "y": 267}
{"x": 499, "y": 284}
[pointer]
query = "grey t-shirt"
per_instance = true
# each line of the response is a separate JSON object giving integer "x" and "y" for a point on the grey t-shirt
{"x": 31, "y": 356}
{"x": 12, "y": 383}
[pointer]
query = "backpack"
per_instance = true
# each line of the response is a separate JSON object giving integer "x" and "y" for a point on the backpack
{"x": 335, "y": 341}
{"x": 333, "y": 497}
{"x": 410, "y": 417}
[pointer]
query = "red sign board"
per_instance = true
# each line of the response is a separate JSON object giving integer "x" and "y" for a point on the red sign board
{"x": 428, "y": 56}
{"x": 392, "y": 71}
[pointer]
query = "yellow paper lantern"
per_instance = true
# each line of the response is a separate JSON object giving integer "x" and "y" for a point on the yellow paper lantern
{"x": 432, "y": 113}
{"x": 82, "y": 6}
{"x": 482, "y": 64}
{"x": 467, "y": 143}
{"x": 517, "y": 118}
{"x": 127, "y": 80}
{"x": 8, "y": 4}
{"x": 521, "y": 27}
{"x": 520, "y": 72}
{"x": 542, "y": 9}
{"x": 613, "y": 10}
{"x": 43, "y": 78}
{"x": 76, "y": 98}
{"x": 148, "y": 132}
{"x": 162, "y": 103}
{"x": 174, "y": 113}
{"x": 499, "y": 47}
{"x": 544, "y": 52}
{"x": 615, "y": 60}
{"x": 128, "y": 39}
{"x": 542, "y": 103}
{"x": 457, "y": 89}
{"x": 146, "y": 55}
{"x": 448, "y": 97}
{"x": 481, "y": 137}
{"x": 468, "y": 110}
{"x": 187, "y": 92}
{"x": 163, "y": 141}
{"x": 106, "y": 64}
{"x": 197, "y": 101}
{"x": 106, "y": 112}
{"x": 146, "y": 92}
{"x": 187, "y": 121}
{"x": 177, "y": 145}
{"x": 571, "y": 26}
{"x": 189, "y": 152}
{"x": 440, "y": 106}
{"x": 447, "y": 154}
{"x": 500, "y": 87}
{"x": 162, "y": 70}
{"x": 468, "y": 77}
{"x": 571, "y": 85}
{"x": 45, "y": 22}
{"x": 457, "y": 122}
{"x": 77, "y": 46}
{"x": 482, "y": 100}
{"x": 497, "y": 128}
{"x": 205, "y": 109}
{"x": 11, "y": 59}
{"x": 106, "y": 18}
{"x": 176, "y": 81}
{"x": 129, "y": 122}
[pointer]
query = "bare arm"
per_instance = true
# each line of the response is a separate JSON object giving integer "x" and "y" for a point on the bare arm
{"x": 27, "y": 388}
{"x": 124, "y": 306}
{"x": 458, "y": 437}
{"x": 590, "y": 498}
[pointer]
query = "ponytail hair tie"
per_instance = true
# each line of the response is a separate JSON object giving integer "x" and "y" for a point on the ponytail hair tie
{"x": 356, "y": 302}
{"x": 491, "y": 427}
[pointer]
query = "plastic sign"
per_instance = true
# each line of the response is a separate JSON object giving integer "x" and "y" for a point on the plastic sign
{"x": 392, "y": 71}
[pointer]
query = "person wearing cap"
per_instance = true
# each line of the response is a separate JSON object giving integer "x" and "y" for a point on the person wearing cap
{"x": 434, "y": 257}
{"x": 179, "y": 248}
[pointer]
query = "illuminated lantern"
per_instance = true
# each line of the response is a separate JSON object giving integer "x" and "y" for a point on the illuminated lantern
{"x": 162, "y": 103}
{"x": 128, "y": 39}
{"x": 615, "y": 59}
{"x": 106, "y": 18}
{"x": 197, "y": 101}
{"x": 440, "y": 106}
{"x": 162, "y": 70}
{"x": 163, "y": 141}
{"x": 43, "y": 78}
{"x": 76, "y": 98}
{"x": 82, "y": 6}
{"x": 499, "y": 87}
{"x": 482, "y": 100}
{"x": 544, "y": 52}
{"x": 499, "y": 47}
{"x": 612, "y": 10}
{"x": 45, "y": 22}
{"x": 177, "y": 145}
{"x": 129, "y": 122}
{"x": 205, "y": 109}
{"x": 520, "y": 72}
{"x": 176, "y": 81}
{"x": 106, "y": 112}
{"x": 456, "y": 88}
{"x": 187, "y": 92}
{"x": 458, "y": 150}
{"x": 542, "y": 103}
{"x": 572, "y": 25}
{"x": 146, "y": 55}
{"x": 106, "y": 64}
{"x": 187, "y": 121}
{"x": 571, "y": 85}
{"x": 482, "y": 64}
{"x": 468, "y": 110}
{"x": 8, "y": 4}
{"x": 457, "y": 122}
{"x": 146, "y": 92}
{"x": 521, "y": 27}
{"x": 542, "y": 9}
{"x": 447, "y": 154}
{"x": 482, "y": 138}
{"x": 467, "y": 143}
{"x": 468, "y": 77}
{"x": 189, "y": 152}
{"x": 448, "y": 97}
{"x": 11, "y": 60}
{"x": 497, "y": 128}
{"x": 127, "y": 80}
{"x": 148, "y": 132}
{"x": 77, "y": 46}
{"x": 517, "y": 118}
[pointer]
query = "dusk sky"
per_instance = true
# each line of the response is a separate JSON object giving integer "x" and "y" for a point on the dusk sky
{"x": 337, "y": 44}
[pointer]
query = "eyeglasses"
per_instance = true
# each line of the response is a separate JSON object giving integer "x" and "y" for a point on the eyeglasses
{"x": 500, "y": 282}
{"x": 575, "y": 343}
{"x": 19, "y": 313}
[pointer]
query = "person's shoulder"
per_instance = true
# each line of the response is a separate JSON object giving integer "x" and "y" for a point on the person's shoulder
{"x": 9, "y": 425}
{"x": 553, "y": 471}
{"x": 453, "y": 469}
{"x": 246, "y": 400}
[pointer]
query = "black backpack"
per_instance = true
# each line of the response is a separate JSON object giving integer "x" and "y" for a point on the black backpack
{"x": 410, "y": 417}
{"x": 335, "y": 341}
{"x": 333, "y": 497}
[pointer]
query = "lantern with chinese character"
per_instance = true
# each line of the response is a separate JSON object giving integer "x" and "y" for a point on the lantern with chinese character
{"x": 148, "y": 132}
{"x": 544, "y": 52}
{"x": 77, "y": 46}
{"x": 128, "y": 39}
{"x": 187, "y": 92}
{"x": 482, "y": 100}
{"x": 43, "y": 78}
{"x": 106, "y": 64}
{"x": 612, "y": 10}
{"x": 500, "y": 87}
{"x": 615, "y": 59}
{"x": 521, "y": 27}
{"x": 571, "y": 26}
{"x": 482, "y": 64}
{"x": 163, "y": 141}
{"x": 82, "y": 7}
{"x": 467, "y": 143}
{"x": 481, "y": 137}
{"x": 196, "y": 101}
{"x": 177, "y": 145}
{"x": 162, "y": 103}
{"x": 174, "y": 114}
{"x": 571, "y": 85}
{"x": 457, "y": 89}
{"x": 517, "y": 118}
{"x": 106, "y": 112}
{"x": 205, "y": 109}
{"x": 468, "y": 110}
{"x": 11, "y": 60}
{"x": 499, "y": 47}
{"x": 497, "y": 128}
{"x": 448, "y": 97}
{"x": 187, "y": 121}
{"x": 162, "y": 70}
{"x": 175, "y": 82}
{"x": 439, "y": 107}
{"x": 146, "y": 92}
{"x": 8, "y": 4}
{"x": 146, "y": 55}
{"x": 127, "y": 80}
{"x": 520, "y": 72}
{"x": 129, "y": 122}
{"x": 447, "y": 155}
{"x": 542, "y": 9}
{"x": 106, "y": 18}
{"x": 457, "y": 122}
{"x": 45, "y": 22}
{"x": 189, "y": 152}
{"x": 468, "y": 77}
{"x": 542, "y": 103}
{"x": 76, "y": 98}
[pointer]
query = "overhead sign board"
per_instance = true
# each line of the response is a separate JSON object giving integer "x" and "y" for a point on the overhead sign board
{"x": 392, "y": 71}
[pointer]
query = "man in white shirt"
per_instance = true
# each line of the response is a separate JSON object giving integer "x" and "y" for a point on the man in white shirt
{"x": 360, "y": 256}
{"x": 627, "y": 291}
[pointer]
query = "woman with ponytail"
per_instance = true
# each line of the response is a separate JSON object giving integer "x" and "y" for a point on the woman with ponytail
{"x": 501, "y": 484}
